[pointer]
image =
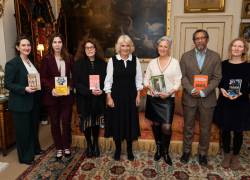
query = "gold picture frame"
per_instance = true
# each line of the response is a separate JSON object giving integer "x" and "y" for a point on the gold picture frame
{"x": 245, "y": 31}
{"x": 204, "y": 6}
{"x": 245, "y": 11}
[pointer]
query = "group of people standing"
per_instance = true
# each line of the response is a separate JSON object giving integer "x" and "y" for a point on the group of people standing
{"x": 116, "y": 100}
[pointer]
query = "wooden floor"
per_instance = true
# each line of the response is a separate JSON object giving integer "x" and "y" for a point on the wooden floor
{"x": 15, "y": 168}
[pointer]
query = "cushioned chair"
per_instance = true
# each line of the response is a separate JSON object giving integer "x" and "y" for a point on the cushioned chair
{"x": 146, "y": 141}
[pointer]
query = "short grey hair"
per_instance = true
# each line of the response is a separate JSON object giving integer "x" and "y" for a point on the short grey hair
{"x": 165, "y": 38}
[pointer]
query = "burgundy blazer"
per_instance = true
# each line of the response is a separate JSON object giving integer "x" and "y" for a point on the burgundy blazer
{"x": 48, "y": 72}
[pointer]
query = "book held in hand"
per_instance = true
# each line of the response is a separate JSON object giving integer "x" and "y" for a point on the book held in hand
{"x": 234, "y": 87}
{"x": 158, "y": 83}
{"x": 200, "y": 82}
{"x": 34, "y": 81}
{"x": 94, "y": 82}
{"x": 61, "y": 86}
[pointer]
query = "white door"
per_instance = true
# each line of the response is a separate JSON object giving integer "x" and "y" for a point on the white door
{"x": 216, "y": 34}
{"x": 218, "y": 27}
{"x": 187, "y": 30}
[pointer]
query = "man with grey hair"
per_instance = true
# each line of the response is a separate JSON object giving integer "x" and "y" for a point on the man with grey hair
{"x": 201, "y": 74}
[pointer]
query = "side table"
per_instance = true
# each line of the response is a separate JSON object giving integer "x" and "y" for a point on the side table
{"x": 7, "y": 133}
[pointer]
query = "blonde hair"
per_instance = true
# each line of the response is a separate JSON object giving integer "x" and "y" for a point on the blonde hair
{"x": 124, "y": 39}
{"x": 244, "y": 56}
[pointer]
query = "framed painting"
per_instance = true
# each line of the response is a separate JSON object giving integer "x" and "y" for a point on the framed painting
{"x": 204, "y": 6}
{"x": 245, "y": 31}
{"x": 144, "y": 21}
{"x": 245, "y": 11}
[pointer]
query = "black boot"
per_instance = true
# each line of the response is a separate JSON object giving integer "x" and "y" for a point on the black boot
{"x": 157, "y": 135}
{"x": 95, "y": 133}
{"x": 117, "y": 150}
{"x": 130, "y": 154}
{"x": 87, "y": 134}
{"x": 166, "y": 138}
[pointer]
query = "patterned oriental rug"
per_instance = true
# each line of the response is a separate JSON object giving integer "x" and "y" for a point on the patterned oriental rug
{"x": 144, "y": 167}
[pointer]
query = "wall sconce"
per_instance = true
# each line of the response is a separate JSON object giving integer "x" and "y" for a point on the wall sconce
{"x": 40, "y": 47}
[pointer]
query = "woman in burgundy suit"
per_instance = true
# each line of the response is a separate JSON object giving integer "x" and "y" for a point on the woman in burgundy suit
{"x": 58, "y": 63}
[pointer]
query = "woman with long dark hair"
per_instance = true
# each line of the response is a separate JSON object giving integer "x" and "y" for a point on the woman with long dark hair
{"x": 58, "y": 63}
{"x": 89, "y": 73}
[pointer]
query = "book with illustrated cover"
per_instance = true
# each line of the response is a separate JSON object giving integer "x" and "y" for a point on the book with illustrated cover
{"x": 200, "y": 82}
{"x": 34, "y": 81}
{"x": 158, "y": 83}
{"x": 61, "y": 85}
{"x": 94, "y": 82}
{"x": 234, "y": 87}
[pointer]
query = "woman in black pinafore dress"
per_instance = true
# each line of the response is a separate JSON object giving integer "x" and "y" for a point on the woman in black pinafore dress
{"x": 122, "y": 85}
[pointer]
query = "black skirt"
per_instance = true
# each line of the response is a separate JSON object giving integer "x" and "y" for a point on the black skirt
{"x": 160, "y": 110}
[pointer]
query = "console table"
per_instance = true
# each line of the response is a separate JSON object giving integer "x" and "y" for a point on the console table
{"x": 7, "y": 134}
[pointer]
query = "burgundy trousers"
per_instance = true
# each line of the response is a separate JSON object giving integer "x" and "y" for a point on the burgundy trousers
{"x": 60, "y": 115}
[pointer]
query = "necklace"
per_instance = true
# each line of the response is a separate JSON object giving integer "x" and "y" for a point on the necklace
{"x": 166, "y": 66}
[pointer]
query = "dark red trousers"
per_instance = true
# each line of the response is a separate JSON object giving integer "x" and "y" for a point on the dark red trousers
{"x": 60, "y": 115}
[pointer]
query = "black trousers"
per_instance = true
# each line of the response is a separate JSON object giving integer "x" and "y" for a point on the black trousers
{"x": 26, "y": 127}
{"x": 237, "y": 141}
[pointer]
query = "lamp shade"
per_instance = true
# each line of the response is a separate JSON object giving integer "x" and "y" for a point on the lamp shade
{"x": 40, "y": 47}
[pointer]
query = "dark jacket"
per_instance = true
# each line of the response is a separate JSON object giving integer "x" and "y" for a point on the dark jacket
{"x": 15, "y": 81}
{"x": 87, "y": 103}
{"x": 48, "y": 73}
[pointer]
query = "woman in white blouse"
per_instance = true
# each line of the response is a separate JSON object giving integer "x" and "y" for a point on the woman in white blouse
{"x": 163, "y": 79}
{"x": 122, "y": 85}
{"x": 24, "y": 101}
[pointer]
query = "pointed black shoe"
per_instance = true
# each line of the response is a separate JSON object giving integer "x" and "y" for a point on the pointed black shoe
{"x": 88, "y": 151}
{"x": 96, "y": 150}
{"x": 59, "y": 154}
{"x": 203, "y": 160}
{"x": 131, "y": 156}
{"x": 27, "y": 162}
{"x": 39, "y": 152}
{"x": 157, "y": 155}
{"x": 67, "y": 153}
{"x": 167, "y": 159}
{"x": 117, "y": 155}
{"x": 185, "y": 157}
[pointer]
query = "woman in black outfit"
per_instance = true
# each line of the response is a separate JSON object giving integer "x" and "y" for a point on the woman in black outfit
{"x": 24, "y": 101}
{"x": 232, "y": 111}
{"x": 122, "y": 86}
{"x": 90, "y": 100}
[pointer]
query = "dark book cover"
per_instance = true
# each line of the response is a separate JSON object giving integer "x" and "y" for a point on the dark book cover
{"x": 234, "y": 87}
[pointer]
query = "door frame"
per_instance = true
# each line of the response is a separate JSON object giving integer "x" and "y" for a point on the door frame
{"x": 178, "y": 20}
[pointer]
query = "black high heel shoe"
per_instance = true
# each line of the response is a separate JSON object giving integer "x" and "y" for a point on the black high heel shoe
{"x": 67, "y": 152}
{"x": 96, "y": 150}
{"x": 88, "y": 151}
{"x": 167, "y": 159}
{"x": 59, "y": 154}
{"x": 117, "y": 155}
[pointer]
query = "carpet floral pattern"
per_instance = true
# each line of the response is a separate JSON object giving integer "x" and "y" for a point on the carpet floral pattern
{"x": 144, "y": 167}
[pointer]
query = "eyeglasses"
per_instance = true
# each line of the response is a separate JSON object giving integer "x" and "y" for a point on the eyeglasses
{"x": 89, "y": 47}
{"x": 200, "y": 38}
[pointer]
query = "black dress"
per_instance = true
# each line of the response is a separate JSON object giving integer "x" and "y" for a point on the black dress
{"x": 233, "y": 115}
{"x": 122, "y": 121}
{"x": 90, "y": 108}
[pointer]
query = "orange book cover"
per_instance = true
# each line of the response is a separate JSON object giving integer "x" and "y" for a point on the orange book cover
{"x": 200, "y": 82}
{"x": 94, "y": 82}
